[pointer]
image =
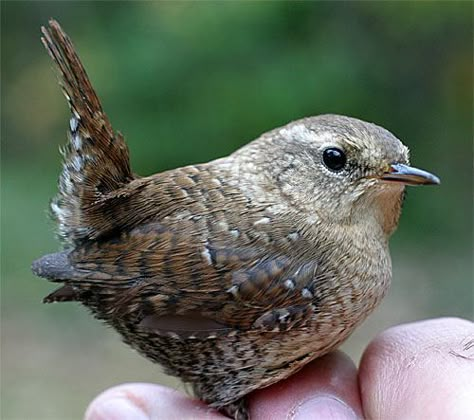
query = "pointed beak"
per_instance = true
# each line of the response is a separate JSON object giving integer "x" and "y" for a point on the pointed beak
{"x": 407, "y": 175}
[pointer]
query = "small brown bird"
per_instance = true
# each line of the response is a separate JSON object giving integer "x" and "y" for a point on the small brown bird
{"x": 231, "y": 274}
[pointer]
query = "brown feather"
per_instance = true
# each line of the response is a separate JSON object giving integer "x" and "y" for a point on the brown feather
{"x": 96, "y": 159}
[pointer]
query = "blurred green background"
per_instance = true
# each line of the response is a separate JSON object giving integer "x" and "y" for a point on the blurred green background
{"x": 188, "y": 82}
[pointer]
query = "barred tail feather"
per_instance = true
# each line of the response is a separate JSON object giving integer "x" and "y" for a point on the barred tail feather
{"x": 96, "y": 160}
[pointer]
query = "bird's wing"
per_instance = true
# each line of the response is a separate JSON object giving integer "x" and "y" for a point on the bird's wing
{"x": 179, "y": 282}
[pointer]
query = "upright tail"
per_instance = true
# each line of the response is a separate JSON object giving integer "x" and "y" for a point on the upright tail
{"x": 96, "y": 160}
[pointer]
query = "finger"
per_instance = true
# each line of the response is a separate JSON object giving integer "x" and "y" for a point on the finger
{"x": 420, "y": 370}
{"x": 138, "y": 401}
{"x": 325, "y": 389}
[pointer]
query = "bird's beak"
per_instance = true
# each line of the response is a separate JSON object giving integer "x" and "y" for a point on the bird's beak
{"x": 405, "y": 174}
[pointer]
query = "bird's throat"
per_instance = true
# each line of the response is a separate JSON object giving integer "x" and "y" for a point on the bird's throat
{"x": 388, "y": 207}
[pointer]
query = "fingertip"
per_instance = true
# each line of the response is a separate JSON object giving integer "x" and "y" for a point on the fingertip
{"x": 422, "y": 368}
{"x": 146, "y": 401}
{"x": 124, "y": 401}
{"x": 326, "y": 388}
{"x": 115, "y": 408}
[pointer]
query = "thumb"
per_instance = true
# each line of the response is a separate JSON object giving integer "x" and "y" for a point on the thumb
{"x": 324, "y": 389}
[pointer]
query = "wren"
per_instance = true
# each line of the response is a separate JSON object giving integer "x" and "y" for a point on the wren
{"x": 231, "y": 274}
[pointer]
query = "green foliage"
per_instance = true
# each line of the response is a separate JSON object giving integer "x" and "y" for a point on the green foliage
{"x": 188, "y": 82}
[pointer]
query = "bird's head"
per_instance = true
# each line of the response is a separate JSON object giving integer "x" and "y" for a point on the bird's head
{"x": 340, "y": 169}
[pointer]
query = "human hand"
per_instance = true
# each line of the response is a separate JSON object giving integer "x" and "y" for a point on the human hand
{"x": 422, "y": 370}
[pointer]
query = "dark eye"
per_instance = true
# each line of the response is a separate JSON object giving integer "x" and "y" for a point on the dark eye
{"x": 334, "y": 158}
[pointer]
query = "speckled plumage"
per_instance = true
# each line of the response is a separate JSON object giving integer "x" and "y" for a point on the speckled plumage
{"x": 234, "y": 273}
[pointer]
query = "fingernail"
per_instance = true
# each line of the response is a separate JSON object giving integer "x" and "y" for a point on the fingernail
{"x": 324, "y": 407}
{"x": 115, "y": 408}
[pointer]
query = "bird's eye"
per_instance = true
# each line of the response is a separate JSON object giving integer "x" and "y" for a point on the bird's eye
{"x": 334, "y": 158}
